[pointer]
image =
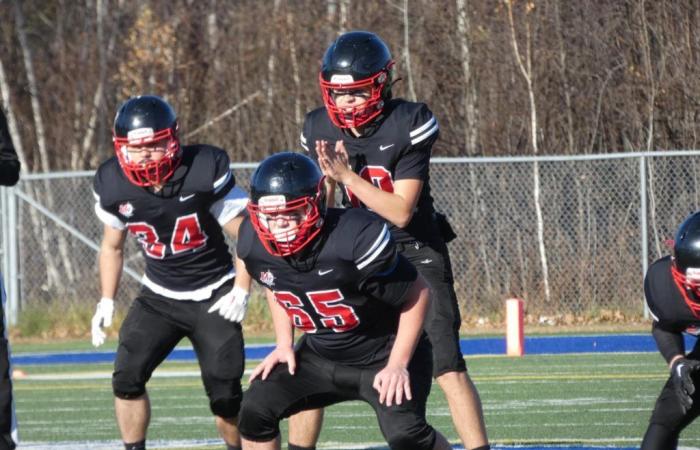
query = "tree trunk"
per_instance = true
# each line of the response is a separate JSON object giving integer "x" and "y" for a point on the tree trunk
{"x": 526, "y": 71}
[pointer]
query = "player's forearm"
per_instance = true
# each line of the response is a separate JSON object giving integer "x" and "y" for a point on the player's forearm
{"x": 410, "y": 324}
{"x": 111, "y": 262}
{"x": 392, "y": 207}
{"x": 284, "y": 332}
{"x": 670, "y": 343}
{"x": 243, "y": 278}
{"x": 330, "y": 192}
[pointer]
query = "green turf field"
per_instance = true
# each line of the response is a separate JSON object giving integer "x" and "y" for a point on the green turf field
{"x": 586, "y": 398}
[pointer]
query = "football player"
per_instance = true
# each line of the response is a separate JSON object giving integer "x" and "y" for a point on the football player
{"x": 378, "y": 149}
{"x": 9, "y": 175}
{"x": 672, "y": 290}
{"x": 336, "y": 275}
{"x": 175, "y": 200}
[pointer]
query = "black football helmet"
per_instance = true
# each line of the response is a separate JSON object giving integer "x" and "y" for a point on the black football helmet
{"x": 142, "y": 121}
{"x": 284, "y": 184}
{"x": 356, "y": 60}
{"x": 686, "y": 261}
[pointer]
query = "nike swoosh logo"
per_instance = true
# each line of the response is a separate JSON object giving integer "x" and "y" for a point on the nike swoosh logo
{"x": 384, "y": 147}
{"x": 184, "y": 198}
{"x": 323, "y": 272}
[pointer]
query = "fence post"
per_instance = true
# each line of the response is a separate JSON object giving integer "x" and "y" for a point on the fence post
{"x": 643, "y": 221}
{"x": 4, "y": 230}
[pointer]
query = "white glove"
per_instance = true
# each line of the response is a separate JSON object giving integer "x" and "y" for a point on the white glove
{"x": 233, "y": 305}
{"x": 102, "y": 318}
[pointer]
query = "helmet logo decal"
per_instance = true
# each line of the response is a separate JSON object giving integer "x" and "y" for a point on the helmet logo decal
{"x": 140, "y": 135}
{"x": 272, "y": 202}
{"x": 341, "y": 78}
{"x": 126, "y": 209}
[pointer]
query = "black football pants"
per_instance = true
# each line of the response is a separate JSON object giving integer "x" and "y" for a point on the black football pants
{"x": 6, "y": 399}
{"x": 319, "y": 382}
{"x": 668, "y": 419}
{"x": 432, "y": 260}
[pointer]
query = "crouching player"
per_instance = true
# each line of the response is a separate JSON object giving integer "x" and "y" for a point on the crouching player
{"x": 672, "y": 289}
{"x": 336, "y": 275}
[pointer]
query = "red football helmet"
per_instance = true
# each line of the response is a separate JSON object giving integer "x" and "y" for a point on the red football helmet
{"x": 356, "y": 60}
{"x": 141, "y": 121}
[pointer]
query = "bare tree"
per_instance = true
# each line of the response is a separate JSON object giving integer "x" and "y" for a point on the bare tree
{"x": 526, "y": 71}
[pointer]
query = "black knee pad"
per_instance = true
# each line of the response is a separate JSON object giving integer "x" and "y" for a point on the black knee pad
{"x": 127, "y": 389}
{"x": 224, "y": 398}
{"x": 225, "y": 407}
{"x": 256, "y": 421}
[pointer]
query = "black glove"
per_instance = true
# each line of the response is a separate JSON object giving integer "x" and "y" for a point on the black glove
{"x": 681, "y": 374}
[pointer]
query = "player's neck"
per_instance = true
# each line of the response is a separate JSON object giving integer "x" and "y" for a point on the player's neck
{"x": 356, "y": 132}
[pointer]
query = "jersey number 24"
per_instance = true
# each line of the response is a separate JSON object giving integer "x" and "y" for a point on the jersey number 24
{"x": 187, "y": 236}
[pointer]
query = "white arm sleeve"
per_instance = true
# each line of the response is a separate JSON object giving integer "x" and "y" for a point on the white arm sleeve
{"x": 106, "y": 217}
{"x": 230, "y": 206}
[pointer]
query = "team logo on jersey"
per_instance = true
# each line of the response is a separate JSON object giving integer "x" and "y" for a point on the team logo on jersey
{"x": 126, "y": 209}
{"x": 267, "y": 278}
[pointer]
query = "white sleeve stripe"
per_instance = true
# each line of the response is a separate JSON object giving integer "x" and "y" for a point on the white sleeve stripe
{"x": 303, "y": 138}
{"x": 305, "y": 147}
{"x": 423, "y": 127}
{"x": 425, "y": 136}
{"x": 376, "y": 248}
{"x": 221, "y": 182}
{"x": 374, "y": 244}
{"x": 230, "y": 206}
{"x": 373, "y": 256}
{"x": 108, "y": 218}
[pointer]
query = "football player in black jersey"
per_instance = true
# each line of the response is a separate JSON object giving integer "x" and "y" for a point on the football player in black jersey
{"x": 672, "y": 290}
{"x": 9, "y": 175}
{"x": 336, "y": 275}
{"x": 175, "y": 201}
{"x": 378, "y": 149}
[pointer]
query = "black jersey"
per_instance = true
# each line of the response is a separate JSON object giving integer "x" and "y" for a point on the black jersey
{"x": 347, "y": 294}
{"x": 668, "y": 308}
{"x": 397, "y": 148}
{"x": 178, "y": 227}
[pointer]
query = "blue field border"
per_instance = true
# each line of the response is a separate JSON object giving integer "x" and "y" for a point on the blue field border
{"x": 536, "y": 345}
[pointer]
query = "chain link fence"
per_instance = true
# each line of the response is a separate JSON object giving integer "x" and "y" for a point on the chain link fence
{"x": 604, "y": 218}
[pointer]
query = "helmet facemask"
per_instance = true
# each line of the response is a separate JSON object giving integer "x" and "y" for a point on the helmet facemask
{"x": 309, "y": 217}
{"x": 689, "y": 285}
{"x": 149, "y": 172}
{"x": 379, "y": 85}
